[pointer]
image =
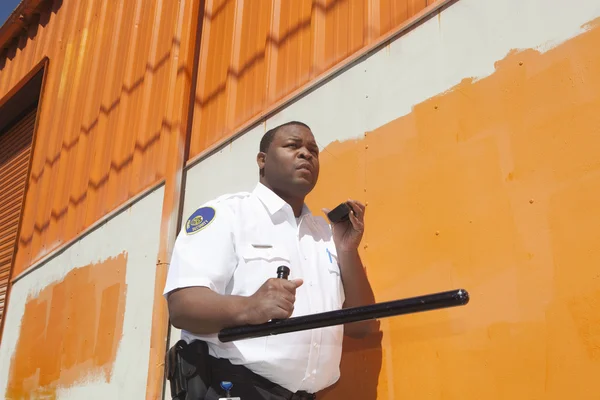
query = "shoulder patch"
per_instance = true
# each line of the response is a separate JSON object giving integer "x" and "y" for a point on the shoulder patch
{"x": 200, "y": 219}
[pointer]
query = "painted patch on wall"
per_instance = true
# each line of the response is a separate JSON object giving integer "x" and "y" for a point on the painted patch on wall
{"x": 70, "y": 331}
{"x": 494, "y": 187}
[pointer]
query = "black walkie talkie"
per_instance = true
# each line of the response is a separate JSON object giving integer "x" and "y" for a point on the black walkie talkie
{"x": 340, "y": 213}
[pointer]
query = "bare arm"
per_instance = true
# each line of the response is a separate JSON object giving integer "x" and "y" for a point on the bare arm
{"x": 202, "y": 311}
{"x": 347, "y": 236}
{"x": 357, "y": 291}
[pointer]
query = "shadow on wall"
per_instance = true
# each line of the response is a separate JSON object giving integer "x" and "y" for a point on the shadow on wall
{"x": 276, "y": 52}
{"x": 360, "y": 368}
{"x": 272, "y": 39}
{"x": 492, "y": 186}
{"x": 40, "y": 17}
{"x": 111, "y": 168}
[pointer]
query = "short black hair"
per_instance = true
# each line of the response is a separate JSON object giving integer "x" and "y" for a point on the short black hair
{"x": 268, "y": 137}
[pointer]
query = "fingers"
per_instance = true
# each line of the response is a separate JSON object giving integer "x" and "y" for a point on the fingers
{"x": 356, "y": 223}
{"x": 274, "y": 300}
{"x": 289, "y": 292}
{"x": 286, "y": 306}
{"x": 297, "y": 282}
{"x": 357, "y": 207}
{"x": 279, "y": 296}
{"x": 283, "y": 311}
{"x": 287, "y": 297}
{"x": 278, "y": 309}
{"x": 357, "y": 214}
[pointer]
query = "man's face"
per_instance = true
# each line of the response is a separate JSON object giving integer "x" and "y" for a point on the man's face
{"x": 291, "y": 164}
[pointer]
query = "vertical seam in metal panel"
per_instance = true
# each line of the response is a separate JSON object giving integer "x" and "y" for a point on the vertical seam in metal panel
{"x": 231, "y": 80}
{"x": 192, "y": 96}
{"x": 272, "y": 51}
{"x": 159, "y": 318}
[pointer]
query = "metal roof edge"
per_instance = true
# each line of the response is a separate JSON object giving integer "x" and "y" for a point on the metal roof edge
{"x": 18, "y": 21}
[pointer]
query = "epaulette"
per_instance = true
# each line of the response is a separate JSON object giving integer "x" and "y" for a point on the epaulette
{"x": 230, "y": 196}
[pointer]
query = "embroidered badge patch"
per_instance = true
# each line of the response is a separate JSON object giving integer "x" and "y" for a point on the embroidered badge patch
{"x": 199, "y": 220}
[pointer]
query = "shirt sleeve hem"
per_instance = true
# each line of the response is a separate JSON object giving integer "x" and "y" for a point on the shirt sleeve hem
{"x": 189, "y": 283}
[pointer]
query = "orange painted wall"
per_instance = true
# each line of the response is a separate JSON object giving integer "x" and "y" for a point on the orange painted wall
{"x": 494, "y": 187}
{"x": 113, "y": 114}
{"x": 254, "y": 53}
{"x": 70, "y": 331}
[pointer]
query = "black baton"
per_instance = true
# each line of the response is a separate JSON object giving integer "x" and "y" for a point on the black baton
{"x": 452, "y": 298}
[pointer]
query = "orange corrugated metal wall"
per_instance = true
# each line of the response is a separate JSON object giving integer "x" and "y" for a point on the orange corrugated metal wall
{"x": 106, "y": 120}
{"x": 15, "y": 147}
{"x": 105, "y": 127}
{"x": 256, "y": 52}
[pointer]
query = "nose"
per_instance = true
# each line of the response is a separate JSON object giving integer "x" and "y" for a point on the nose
{"x": 304, "y": 153}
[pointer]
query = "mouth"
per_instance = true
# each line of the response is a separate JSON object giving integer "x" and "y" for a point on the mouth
{"x": 304, "y": 167}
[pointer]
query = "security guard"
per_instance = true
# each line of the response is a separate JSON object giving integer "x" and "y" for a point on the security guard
{"x": 223, "y": 274}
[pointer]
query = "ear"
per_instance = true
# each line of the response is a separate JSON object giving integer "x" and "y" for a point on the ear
{"x": 260, "y": 160}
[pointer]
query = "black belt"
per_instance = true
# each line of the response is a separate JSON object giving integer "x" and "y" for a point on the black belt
{"x": 222, "y": 369}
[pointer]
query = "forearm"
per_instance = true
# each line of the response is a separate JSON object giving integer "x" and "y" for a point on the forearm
{"x": 202, "y": 311}
{"x": 357, "y": 291}
{"x": 356, "y": 285}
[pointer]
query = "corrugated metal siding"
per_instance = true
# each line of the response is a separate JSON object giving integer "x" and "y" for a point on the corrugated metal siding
{"x": 106, "y": 127}
{"x": 256, "y": 52}
{"x": 15, "y": 147}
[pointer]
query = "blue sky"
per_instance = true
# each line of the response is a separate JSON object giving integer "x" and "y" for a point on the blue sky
{"x": 6, "y": 7}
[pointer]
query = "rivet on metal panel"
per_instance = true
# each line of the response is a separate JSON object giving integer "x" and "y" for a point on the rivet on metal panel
{"x": 437, "y": 233}
{"x": 366, "y": 146}
{"x": 531, "y": 201}
{"x": 435, "y": 107}
{"x": 520, "y": 62}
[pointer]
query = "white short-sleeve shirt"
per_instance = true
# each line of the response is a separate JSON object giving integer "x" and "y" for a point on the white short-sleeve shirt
{"x": 232, "y": 245}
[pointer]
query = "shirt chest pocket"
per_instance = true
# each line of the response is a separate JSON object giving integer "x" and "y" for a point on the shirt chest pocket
{"x": 261, "y": 262}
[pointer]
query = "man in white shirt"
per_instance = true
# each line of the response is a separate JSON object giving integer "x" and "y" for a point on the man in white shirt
{"x": 223, "y": 274}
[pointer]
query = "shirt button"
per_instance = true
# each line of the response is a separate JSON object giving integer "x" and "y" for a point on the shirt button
{"x": 316, "y": 345}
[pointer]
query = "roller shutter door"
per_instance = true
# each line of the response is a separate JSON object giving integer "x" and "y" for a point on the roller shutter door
{"x": 15, "y": 147}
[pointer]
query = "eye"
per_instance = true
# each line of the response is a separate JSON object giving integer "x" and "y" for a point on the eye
{"x": 313, "y": 149}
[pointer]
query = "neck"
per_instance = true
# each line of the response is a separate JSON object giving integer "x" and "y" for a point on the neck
{"x": 296, "y": 202}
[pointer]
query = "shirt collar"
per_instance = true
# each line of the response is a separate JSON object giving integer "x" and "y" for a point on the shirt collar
{"x": 272, "y": 202}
